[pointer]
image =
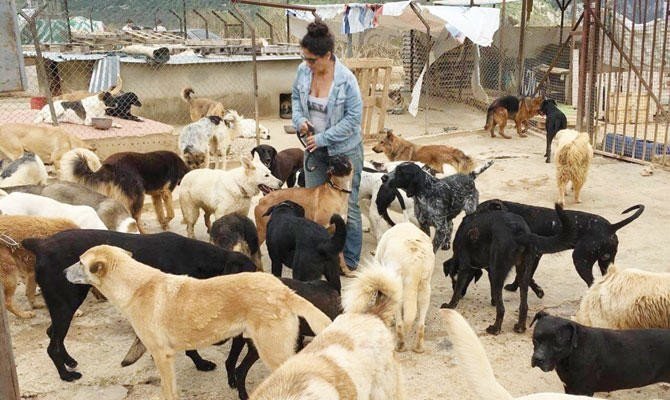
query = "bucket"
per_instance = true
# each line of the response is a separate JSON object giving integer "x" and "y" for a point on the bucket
{"x": 36, "y": 103}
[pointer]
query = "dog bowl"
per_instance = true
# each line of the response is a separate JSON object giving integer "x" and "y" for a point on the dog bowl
{"x": 101, "y": 122}
{"x": 289, "y": 129}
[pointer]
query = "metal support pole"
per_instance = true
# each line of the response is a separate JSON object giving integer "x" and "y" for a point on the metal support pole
{"x": 288, "y": 27}
{"x": 238, "y": 20}
{"x": 583, "y": 57}
{"x": 595, "y": 47}
{"x": 417, "y": 11}
{"x": 9, "y": 384}
{"x": 522, "y": 38}
{"x": 205, "y": 21}
{"x": 156, "y": 18}
{"x": 501, "y": 44}
{"x": 67, "y": 21}
{"x": 90, "y": 18}
{"x": 173, "y": 12}
{"x": 183, "y": 9}
{"x": 225, "y": 23}
{"x": 269, "y": 25}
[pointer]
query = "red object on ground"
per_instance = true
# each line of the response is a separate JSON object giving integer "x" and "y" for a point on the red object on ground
{"x": 36, "y": 103}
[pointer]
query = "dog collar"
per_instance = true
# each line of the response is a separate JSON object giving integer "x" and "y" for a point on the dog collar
{"x": 9, "y": 242}
{"x": 336, "y": 187}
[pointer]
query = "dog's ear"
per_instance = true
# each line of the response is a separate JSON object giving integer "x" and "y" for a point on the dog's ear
{"x": 389, "y": 133}
{"x": 254, "y": 151}
{"x": 97, "y": 267}
{"x": 248, "y": 163}
{"x": 269, "y": 211}
{"x": 538, "y": 316}
{"x": 216, "y": 120}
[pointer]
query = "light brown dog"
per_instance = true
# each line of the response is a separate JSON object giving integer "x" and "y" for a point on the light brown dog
{"x": 173, "y": 313}
{"x": 82, "y": 94}
{"x": 573, "y": 157}
{"x": 319, "y": 202}
{"x": 15, "y": 261}
{"x": 202, "y": 107}
{"x": 511, "y": 107}
{"x": 398, "y": 149}
{"x": 49, "y": 143}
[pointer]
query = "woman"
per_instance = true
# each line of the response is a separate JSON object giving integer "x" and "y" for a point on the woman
{"x": 326, "y": 97}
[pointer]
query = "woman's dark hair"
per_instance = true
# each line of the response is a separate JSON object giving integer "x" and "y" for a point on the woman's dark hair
{"x": 318, "y": 40}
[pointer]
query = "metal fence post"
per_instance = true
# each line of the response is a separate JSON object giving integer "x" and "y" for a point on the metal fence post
{"x": 522, "y": 39}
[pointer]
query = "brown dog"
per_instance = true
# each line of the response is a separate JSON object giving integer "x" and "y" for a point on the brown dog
{"x": 520, "y": 110}
{"x": 284, "y": 165}
{"x": 320, "y": 202}
{"x": 398, "y": 149}
{"x": 15, "y": 261}
{"x": 202, "y": 107}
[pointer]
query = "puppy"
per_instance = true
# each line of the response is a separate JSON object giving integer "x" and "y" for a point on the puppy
{"x": 26, "y": 170}
{"x": 203, "y": 138}
{"x": 220, "y": 192}
{"x": 555, "y": 121}
{"x": 235, "y": 232}
{"x": 169, "y": 252}
{"x": 16, "y": 261}
{"x": 79, "y": 111}
{"x": 283, "y": 165}
{"x": 573, "y": 158}
{"x": 246, "y": 127}
{"x": 48, "y": 142}
{"x": 201, "y": 107}
{"x": 168, "y": 321}
{"x": 352, "y": 358}
{"x": 511, "y": 107}
{"x": 303, "y": 245}
{"x": 18, "y": 203}
{"x": 120, "y": 106}
{"x": 408, "y": 252}
{"x": 437, "y": 201}
{"x": 398, "y": 149}
{"x": 475, "y": 365}
{"x": 589, "y": 360}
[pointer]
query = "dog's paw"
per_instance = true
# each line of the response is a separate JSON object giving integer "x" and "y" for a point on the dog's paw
{"x": 418, "y": 349}
{"x": 205, "y": 365}
{"x": 493, "y": 330}
{"x": 539, "y": 292}
{"x": 519, "y": 327}
{"x": 448, "y": 305}
{"x": 511, "y": 287}
{"x": 26, "y": 314}
{"x": 70, "y": 376}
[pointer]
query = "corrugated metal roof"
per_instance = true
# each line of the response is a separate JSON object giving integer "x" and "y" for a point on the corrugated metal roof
{"x": 105, "y": 73}
{"x": 175, "y": 59}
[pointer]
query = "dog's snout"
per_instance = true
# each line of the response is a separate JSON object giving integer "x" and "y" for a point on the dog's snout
{"x": 385, "y": 178}
{"x": 536, "y": 361}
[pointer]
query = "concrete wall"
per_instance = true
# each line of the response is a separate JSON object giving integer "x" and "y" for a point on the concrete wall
{"x": 11, "y": 62}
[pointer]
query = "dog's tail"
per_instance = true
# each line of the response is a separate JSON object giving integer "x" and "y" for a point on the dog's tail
{"x": 475, "y": 173}
{"x": 77, "y": 165}
{"x": 472, "y": 359}
{"x": 336, "y": 243}
{"x": 186, "y": 94}
{"x": 385, "y": 196}
{"x": 489, "y": 117}
{"x": 316, "y": 319}
{"x": 465, "y": 164}
{"x": 376, "y": 290}
{"x": 559, "y": 242}
{"x": 622, "y": 223}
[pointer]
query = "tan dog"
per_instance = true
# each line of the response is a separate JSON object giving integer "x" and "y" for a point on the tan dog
{"x": 573, "y": 157}
{"x": 49, "y": 143}
{"x": 320, "y": 202}
{"x": 511, "y": 107}
{"x": 15, "y": 261}
{"x": 173, "y": 313}
{"x": 202, "y": 107}
{"x": 82, "y": 94}
{"x": 398, "y": 149}
{"x": 352, "y": 358}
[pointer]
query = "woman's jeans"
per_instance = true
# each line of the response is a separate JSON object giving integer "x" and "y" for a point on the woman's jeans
{"x": 354, "y": 241}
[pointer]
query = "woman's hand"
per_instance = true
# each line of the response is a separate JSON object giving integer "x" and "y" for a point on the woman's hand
{"x": 311, "y": 143}
{"x": 304, "y": 128}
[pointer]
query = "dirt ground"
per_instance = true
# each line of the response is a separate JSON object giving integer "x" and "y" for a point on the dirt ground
{"x": 100, "y": 338}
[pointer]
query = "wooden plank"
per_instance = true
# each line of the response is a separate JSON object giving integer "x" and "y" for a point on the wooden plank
{"x": 9, "y": 384}
{"x": 353, "y": 63}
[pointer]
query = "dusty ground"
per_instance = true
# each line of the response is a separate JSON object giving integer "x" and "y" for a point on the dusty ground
{"x": 99, "y": 339}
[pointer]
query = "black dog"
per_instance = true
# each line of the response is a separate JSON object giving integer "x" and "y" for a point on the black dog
{"x": 120, "y": 106}
{"x": 555, "y": 121}
{"x": 304, "y": 245}
{"x": 498, "y": 240}
{"x": 437, "y": 201}
{"x": 235, "y": 232}
{"x": 590, "y": 360}
{"x": 169, "y": 252}
{"x": 283, "y": 165}
{"x": 595, "y": 239}
{"x": 319, "y": 293}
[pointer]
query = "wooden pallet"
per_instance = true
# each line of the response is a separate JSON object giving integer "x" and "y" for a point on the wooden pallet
{"x": 367, "y": 71}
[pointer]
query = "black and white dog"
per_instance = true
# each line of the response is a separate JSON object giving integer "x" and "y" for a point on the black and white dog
{"x": 79, "y": 111}
{"x": 437, "y": 201}
{"x": 555, "y": 121}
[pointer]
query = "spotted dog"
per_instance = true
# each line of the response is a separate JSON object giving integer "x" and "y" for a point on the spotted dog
{"x": 437, "y": 201}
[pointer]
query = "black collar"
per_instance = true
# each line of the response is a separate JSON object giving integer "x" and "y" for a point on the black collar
{"x": 334, "y": 186}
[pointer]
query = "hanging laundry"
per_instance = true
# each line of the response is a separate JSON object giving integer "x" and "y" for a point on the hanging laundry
{"x": 360, "y": 17}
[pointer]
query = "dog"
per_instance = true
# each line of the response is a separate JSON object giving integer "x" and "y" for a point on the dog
{"x": 121, "y": 106}
{"x": 49, "y": 143}
{"x": 79, "y": 112}
{"x": 319, "y": 202}
{"x": 283, "y": 165}
{"x": 25, "y": 170}
{"x": 353, "y": 358}
{"x": 317, "y": 292}
{"x": 169, "y": 252}
{"x": 573, "y": 157}
{"x": 627, "y": 299}
{"x": 475, "y": 365}
{"x": 437, "y": 201}
{"x": 246, "y": 127}
{"x": 18, "y": 203}
{"x": 111, "y": 212}
{"x": 511, "y": 107}
{"x": 408, "y": 252}
{"x": 589, "y": 360}
{"x": 595, "y": 240}
{"x": 201, "y": 107}
{"x": 220, "y": 192}
{"x": 303, "y": 245}
{"x": 498, "y": 240}
{"x": 235, "y": 232}
{"x": 206, "y": 137}
{"x": 16, "y": 261}
{"x": 555, "y": 121}
{"x": 75, "y": 95}
{"x": 168, "y": 321}
{"x": 398, "y": 149}
{"x": 127, "y": 177}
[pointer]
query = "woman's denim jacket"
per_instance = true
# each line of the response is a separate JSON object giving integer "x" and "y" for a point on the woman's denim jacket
{"x": 343, "y": 132}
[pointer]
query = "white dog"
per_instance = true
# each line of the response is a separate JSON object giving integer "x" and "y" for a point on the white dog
{"x": 77, "y": 112}
{"x": 26, "y": 170}
{"x": 246, "y": 127}
{"x": 206, "y": 137}
{"x": 408, "y": 251}
{"x": 18, "y": 203}
{"x": 221, "y": 192}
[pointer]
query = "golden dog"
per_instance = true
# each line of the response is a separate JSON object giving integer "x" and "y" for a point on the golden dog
{"x": 201, "y": 107}
{"x": 573, "y": 157}
{"x": 171, "y": 313}
{"x": 398, "y": 149}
